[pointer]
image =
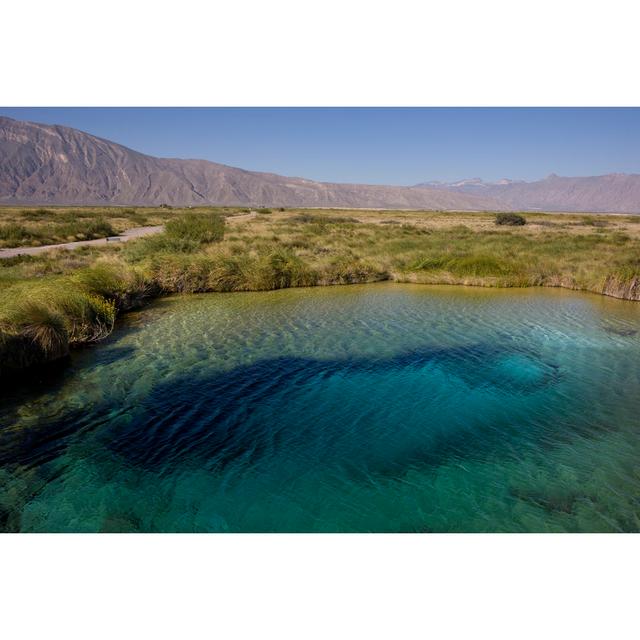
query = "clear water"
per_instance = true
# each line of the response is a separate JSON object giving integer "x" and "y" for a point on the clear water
{"x": 367, "y": 408}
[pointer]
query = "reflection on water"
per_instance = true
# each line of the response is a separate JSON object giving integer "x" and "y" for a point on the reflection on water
{"x": 368, "y": 408}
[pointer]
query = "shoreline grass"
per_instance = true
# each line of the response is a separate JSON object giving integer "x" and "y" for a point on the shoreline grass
{"x": 56, "y": 301}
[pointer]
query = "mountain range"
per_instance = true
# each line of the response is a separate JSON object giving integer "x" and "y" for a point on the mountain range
{"x": 52, "y": 164}
{"x": 614, "y": 192}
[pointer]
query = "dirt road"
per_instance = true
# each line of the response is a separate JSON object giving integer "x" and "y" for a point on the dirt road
{"x": 130, "y": 234}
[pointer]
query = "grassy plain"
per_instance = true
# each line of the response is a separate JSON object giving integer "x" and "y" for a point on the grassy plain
{"x": 64, "y": 298}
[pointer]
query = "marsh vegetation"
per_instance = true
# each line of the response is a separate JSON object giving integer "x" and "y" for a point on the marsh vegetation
{"x": 61, "y": 298}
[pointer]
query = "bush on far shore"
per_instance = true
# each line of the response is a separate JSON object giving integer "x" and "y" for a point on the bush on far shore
{"x": 511, "y": 219}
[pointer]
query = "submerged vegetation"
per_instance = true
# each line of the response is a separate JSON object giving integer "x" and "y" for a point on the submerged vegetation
{"x": 59, "y": 299}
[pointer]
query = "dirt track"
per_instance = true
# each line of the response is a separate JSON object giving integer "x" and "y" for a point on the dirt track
{"x": 130, "y": 234}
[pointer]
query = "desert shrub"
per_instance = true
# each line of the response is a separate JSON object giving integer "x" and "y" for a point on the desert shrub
{"x": 593, "y": 222}
{"x": 317, "y": 218}
{"x": 143, "y": 248}
{"x": 17, "y": 234}
{"x": 202, "y": 228}
{"x": 511, "y": 219}
{"x": 36, "y": 214}
{"x": 265, "y": 211}
{"x": 16, "y": 260}
{"x": 99, "y": 228}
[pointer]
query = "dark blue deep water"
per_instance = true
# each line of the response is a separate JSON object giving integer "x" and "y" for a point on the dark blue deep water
{"x": 368, "y": 408}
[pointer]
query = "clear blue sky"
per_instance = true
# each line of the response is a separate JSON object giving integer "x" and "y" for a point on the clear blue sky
{"x": 374, "y": 145}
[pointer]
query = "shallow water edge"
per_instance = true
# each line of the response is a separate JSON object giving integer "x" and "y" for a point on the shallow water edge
{"x": 51, "y": 362}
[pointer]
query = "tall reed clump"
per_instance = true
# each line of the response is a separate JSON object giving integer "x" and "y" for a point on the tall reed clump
{"x": 31, "y": 332}
{"x": 39, "y": 322}
{"x": 41, "y": 319}
{"x": 624, "y": 280}
{"x": 277, "y": 269}
{"x": 124, "y": 285}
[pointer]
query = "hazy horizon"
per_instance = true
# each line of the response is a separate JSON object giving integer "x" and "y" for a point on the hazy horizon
{"x": 401, "y": 146}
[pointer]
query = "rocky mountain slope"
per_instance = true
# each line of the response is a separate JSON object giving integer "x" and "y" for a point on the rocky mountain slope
{"x": 43, "y": 164}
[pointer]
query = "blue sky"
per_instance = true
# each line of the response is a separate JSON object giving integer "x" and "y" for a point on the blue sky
{"x": 374, "y": 145}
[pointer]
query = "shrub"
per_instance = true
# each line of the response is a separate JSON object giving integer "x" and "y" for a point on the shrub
{"x": 144, "y": 248}
{"x": 201, "y": 228}
{"x": 266, "y": 211}
{"x": 16, "y": 234}
{"x": 36, "y": 214}
{"x": 511, "y": 219}
{"x": 316, "y": 218}
{"x": 99, "y": 228}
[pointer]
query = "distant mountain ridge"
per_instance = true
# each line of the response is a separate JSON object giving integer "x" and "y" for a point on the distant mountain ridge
{"x": 52, "y": 164}
{"x": 45, "y": 164}
{"x": 611, "y": 193}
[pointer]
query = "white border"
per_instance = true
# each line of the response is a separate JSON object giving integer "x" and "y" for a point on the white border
{"x": 335, "y": 52}
{"x": 347, "y": 52}
{"x": 306, "y": 586}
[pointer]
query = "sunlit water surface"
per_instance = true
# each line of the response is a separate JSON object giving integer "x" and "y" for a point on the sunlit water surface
{"x": 367, "y": 408}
